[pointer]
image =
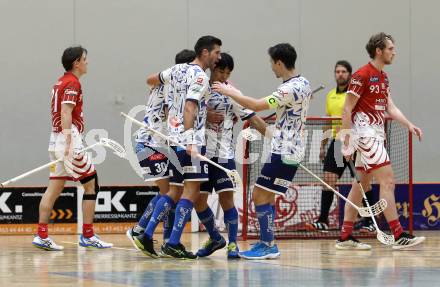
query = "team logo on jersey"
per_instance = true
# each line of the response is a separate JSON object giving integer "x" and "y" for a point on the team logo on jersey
{"x": 157, "y": 156}
{"x": 356, "y": 82}
{"x": 70, "y": 92}
{"x": 174, "y": 122}
{"x": 199, "y": 81}
{"x": 374, "y": 79}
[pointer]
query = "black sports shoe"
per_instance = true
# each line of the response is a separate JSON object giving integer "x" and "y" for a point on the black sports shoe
{"x": 406, "y": 240}
{"x": 317, "y": 226}
{"x": 366, "y": 225}
{"x": 177, "y": 251}
{"x": 146, "y": 245}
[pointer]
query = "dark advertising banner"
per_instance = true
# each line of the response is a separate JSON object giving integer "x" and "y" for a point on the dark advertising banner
{"x": 123, "y": 204}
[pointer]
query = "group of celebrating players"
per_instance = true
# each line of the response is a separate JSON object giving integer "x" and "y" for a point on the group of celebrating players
{"x": 197, "y": 114}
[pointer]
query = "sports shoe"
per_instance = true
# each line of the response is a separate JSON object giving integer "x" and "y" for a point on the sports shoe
{"x": 232, "y": 251}
{"x": 146, "y": 245}
{"x": 365, "y": 225}
{"x": 46, "y": 244}
{"x": 93, "y": 242}
{"x": 317, "y": 226}
{"x": 130, "y": 235}
{"x": 210, "y": 246}
{"x": 406, "y": 240}
{"x": 162, "y": 254}
{"x": 177, "y": 251}
{"x": 351, "y": 243}
{"x": 260, "y": 251}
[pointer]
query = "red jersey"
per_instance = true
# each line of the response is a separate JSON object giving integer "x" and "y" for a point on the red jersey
{"x": 371, "y": 86}
{"x": 67, "y": 90}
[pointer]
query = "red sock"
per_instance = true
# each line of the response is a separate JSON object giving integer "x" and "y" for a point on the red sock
{"x": 43, "y": 230}
{"x": 88, "y": 230}
{"x": 396, "y": 228}
{"x": 347, "y": 229}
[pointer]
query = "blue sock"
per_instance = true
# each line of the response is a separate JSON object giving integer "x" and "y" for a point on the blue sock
{"x": 183, "y": 215}
{"x": 168, "y": 221}
{"x": 231, "y": 222}
{"x": 265, "y": 219}
{"x": 207, "y": 218}
{"x": 148, "y": 211}
{"x": 162, "y": 207}
{"x": 274, "y": 212}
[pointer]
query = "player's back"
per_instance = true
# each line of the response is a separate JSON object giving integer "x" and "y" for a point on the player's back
{"x": 67, "y": 90}
{"x": 186, "y": 82}
{"x": 294, "y": 97}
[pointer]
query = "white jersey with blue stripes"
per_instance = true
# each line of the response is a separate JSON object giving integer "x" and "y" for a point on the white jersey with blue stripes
{"x": 186, "y": 82}
{"x": 219, "y": 136}
{"x": 155, "y": 118}
{"x": 292, "y": 99}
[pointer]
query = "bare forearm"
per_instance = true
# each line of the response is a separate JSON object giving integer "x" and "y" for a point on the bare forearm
{"x": 396, "y": 114}
{"x": 189, "y": 115}
{"x": 258, "y": 124}
{"x": 153, "y": 80}
{"x": 66, "y": 124}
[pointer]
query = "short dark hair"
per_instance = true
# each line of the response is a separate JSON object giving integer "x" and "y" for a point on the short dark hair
{"x": 226, "y": 61}
{"x": 185, "y": 56}
{"x": 285, "y": 53}
{"x": 377, "y": 41}
{"x": 70, "y": 55}
{"x": 344, "y": 64}
{"x": 206, "y": 42}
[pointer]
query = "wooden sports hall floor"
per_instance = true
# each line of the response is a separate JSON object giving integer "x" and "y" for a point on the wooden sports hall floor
{"x": 302, "y": 263}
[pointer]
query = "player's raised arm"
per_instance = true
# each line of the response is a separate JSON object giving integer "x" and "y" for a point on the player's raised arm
{"x": 153, "y": 80}
{"x": 395, "y": 113}
{"x": 247, "y": 102}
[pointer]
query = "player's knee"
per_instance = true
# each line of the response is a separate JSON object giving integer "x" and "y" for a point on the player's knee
{"x": 91, "y": 187}
{"x": 261, "y": 196}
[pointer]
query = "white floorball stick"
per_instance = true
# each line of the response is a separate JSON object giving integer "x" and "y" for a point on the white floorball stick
{"x": 369, "y": 211}
{"x": 381, "y": 236}
{"x": 108, "y": 143}
{"x": 232, "y": 174}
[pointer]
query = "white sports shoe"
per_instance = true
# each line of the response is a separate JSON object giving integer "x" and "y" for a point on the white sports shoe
{"x": 351, "y": 244}
{"x": 46, "y": 244}
{"x": 406, "y": 240}
{"x": 94, "y": 242}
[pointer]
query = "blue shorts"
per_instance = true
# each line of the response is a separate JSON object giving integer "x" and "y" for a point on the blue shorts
{"x": 276, "y": 176}
{"x": 218, "y": 179}
{"x": 183, "y": 167}
{"x": 153, "y": 162}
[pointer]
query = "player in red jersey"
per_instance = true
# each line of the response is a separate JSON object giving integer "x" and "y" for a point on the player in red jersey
{"x": 368, "y": 100}
{"x": 66, "y": 141}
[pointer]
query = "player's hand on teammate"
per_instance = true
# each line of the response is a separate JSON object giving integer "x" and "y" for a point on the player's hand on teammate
{"x": 214, "y": 117}
{"x": 224, "y": 89}
{"x": 416, "y": 130}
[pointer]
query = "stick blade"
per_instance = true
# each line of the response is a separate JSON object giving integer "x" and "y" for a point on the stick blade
{"x": 236, "y": 181}
{"x": 385, "y": 238}
{"x": 377, "y": 208}
{"x": 114, "y": 146}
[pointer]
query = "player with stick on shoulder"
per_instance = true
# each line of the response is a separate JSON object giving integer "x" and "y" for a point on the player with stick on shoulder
{"x": 187, "y": 96}
{"x": 291, "y": 101}
{"x": 152, "y": 153}
{"x": 66, "y": 140}
{"x": 368, "y": 100}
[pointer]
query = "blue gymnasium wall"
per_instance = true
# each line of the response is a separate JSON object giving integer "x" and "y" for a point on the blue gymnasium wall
{"x": 426, "y": 200}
